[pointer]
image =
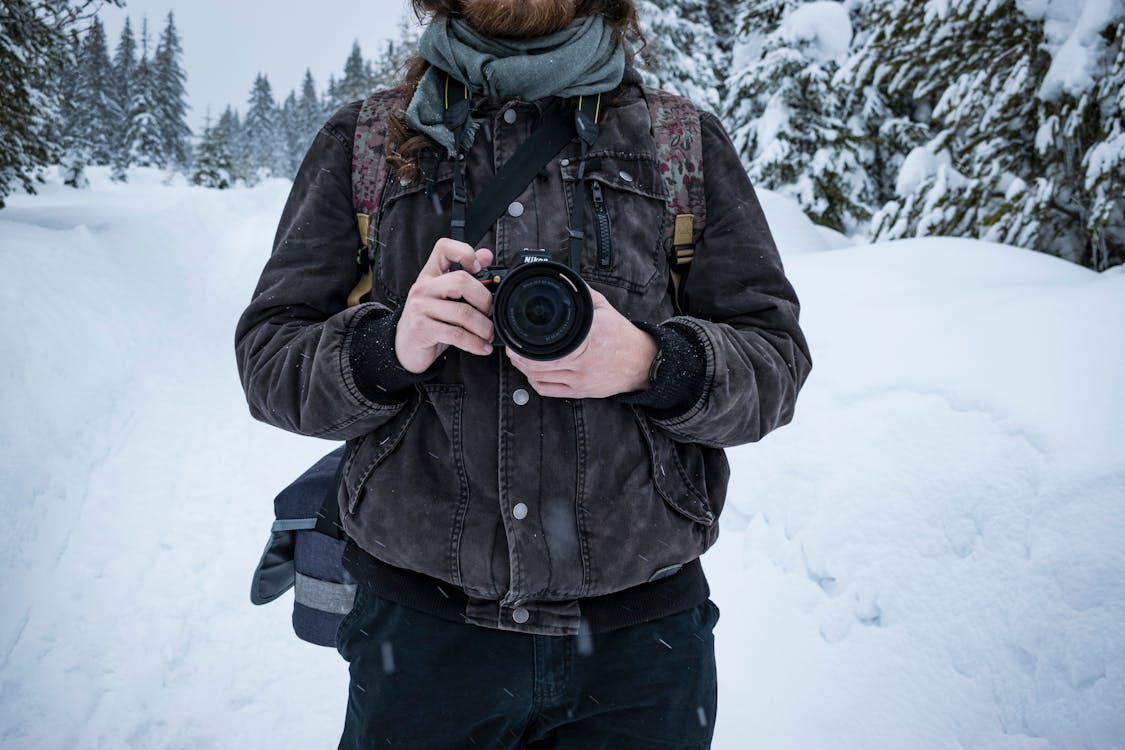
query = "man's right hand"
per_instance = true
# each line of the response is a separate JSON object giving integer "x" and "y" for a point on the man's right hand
{"x": 445, "y": 309}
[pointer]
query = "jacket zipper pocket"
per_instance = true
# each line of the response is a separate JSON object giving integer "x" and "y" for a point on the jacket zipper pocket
{"x": 601, "y": 215}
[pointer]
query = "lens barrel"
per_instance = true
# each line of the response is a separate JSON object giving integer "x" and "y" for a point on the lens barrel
{"x": 542, "y": 310}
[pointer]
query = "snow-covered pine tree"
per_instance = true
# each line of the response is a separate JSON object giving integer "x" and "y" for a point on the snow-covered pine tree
{"x": 683, "y": 53}
{"x": 124, "y": 64}
{"x": 787, "y": 119}
{"x": 723, "y": 16}
{"x": 170, "y": 98}
{"x": 75, "y": 117}
{"x": 357, "y": 82}
{"x": 1104, "y": 162}
{"x": 214, "y": 164}
{"x": 34, "y": 42}
{"x": 97, "y": 77}
{"x": 230, "y": 125}
{"x": 143, "y": 130}
{"x": 1009, "y": 155}
{"x": 88, "y": 114}
{"x": 295, "y": 145}
{"x": 264, "y": 139}
{"x": 887, "y": 126}
{"x": 389, "y": 68}
{"x": 308, "y": 116}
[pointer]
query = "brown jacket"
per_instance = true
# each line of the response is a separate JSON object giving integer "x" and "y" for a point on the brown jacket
{"x": 526, "y": 503}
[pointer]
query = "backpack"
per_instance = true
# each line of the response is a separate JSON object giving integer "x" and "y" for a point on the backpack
{"x": 307, "y": 541}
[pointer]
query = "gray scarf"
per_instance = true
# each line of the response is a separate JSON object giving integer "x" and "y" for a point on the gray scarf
{"x": 580, "y": 60}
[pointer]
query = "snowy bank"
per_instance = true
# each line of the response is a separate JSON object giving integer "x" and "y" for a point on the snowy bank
{"x": 930, "y": 556}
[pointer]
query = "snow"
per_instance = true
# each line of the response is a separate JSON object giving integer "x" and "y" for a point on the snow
{"x": 823, "y": 26}
{"x": 922, "y": 164}
{"x": 801, "y": 234}
{"x": 1073, "y": 39}
{"x": 929, "y": 557}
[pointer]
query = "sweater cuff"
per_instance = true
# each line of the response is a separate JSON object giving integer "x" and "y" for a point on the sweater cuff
{"x": 375, "y": 369}
{"x": 680, "y": 378}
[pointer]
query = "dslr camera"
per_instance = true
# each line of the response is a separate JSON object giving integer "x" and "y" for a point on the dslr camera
{"x": 540, "y": 308}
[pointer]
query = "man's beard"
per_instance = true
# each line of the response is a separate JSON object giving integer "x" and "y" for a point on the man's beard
{"x": 519, "y": 19}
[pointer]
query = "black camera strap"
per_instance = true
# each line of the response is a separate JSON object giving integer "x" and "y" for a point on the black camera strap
{"x": 586, "y": 124}
{"x": 554, "y": 132}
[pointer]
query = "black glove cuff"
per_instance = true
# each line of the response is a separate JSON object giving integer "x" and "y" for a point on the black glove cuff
{"x": 375, "y": 368}
{"x": 678, "y": 381}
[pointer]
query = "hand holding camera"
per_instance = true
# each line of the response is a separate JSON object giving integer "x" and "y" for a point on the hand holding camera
{"x": 445, "y": 309}
{"x": 614, "y": 358}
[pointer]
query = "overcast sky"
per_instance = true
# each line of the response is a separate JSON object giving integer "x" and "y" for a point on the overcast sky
{"x": 228, "y": 42}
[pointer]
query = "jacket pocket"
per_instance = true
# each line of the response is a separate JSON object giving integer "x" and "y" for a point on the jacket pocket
{"x": 680, "y": 473}
{"x": 407, "y": 232}
{"x": 413, "y": 492}
{"x": 371, "y": 450}
{"x": 625, "y": 216}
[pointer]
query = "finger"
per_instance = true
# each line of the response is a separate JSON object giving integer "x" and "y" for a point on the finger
{"x": 460, "y": 287}
{"x": 540, "y": 368}
{"x": 458, "y": 314}
{"x": 554, "y": 390}
{"x": 485, "y": 257}
{"x": 447, "y": 252}
{"x": 456, "y": 336}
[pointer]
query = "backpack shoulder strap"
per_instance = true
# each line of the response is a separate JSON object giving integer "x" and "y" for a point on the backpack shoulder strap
{"x": 679, "y": 152}
{"x": 370, "y": 172}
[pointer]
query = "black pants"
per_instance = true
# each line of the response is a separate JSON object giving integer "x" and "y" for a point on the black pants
{"x": 418, "y": 681}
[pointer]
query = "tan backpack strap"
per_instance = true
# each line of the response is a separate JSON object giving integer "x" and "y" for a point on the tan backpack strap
{"x": 363, "y": 288}
{"x": 677, "y": 131}
{"x": 683, "y": 248}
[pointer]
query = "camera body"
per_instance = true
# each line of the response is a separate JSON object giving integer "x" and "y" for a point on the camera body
{"x": 541, "y": 309}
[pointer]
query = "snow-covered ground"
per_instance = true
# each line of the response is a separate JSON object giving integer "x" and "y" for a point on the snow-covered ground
{"x": 931, "y": 556}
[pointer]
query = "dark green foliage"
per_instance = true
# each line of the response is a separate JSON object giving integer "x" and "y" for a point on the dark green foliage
{"x": 36, "y": 40}
{"x": 1003, "y": 159}
{"x": 170, "y": 98}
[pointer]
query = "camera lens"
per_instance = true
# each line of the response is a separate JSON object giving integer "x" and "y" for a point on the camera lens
{"x": 542, "y": 310}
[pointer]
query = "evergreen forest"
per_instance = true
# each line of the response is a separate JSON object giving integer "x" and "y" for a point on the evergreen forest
{"x": 994, "y": 119}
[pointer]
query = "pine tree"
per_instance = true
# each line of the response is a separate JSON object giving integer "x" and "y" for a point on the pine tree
{"x": 143, "y": 137}
{"x": 264, "y": 139}
{"x": 389, "y": 68}
{"x": 88, "y": 116}
{"x": 293, "y": 136}
{"x": 789, "y": 122}
{"x": 682, "y": 54}
{"x": 1104, "y": 162}
{"x": 357, "y": 82}
{"x": 97, "y": 78}
{"x": 310, "y": 112}
{"x": 170, "y": 98}
{"x": 230, "y": 127}
{"x": 214, "y": 164}
{"x": 723, "y": 18}
{"x": 1009, "y": 158}
{"x": 34, "y": 43}
{"x": 124, "y": 64}
{"x": 75, "y": 117}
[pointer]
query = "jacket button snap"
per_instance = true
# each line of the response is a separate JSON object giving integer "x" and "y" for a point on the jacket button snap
{"x": 519, "y": 511}
{"x": 510, "y": 116}
{"x": 521, "y": 615}
{"x": 625, "y": 176}
{"x": 515, "y": 210}
{"x": 521, "y": 397}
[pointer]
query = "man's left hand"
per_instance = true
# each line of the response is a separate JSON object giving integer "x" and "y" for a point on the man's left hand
{"x": 615, "y": 358}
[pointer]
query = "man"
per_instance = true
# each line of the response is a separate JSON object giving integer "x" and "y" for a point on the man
{"x": 526, "y": 531}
